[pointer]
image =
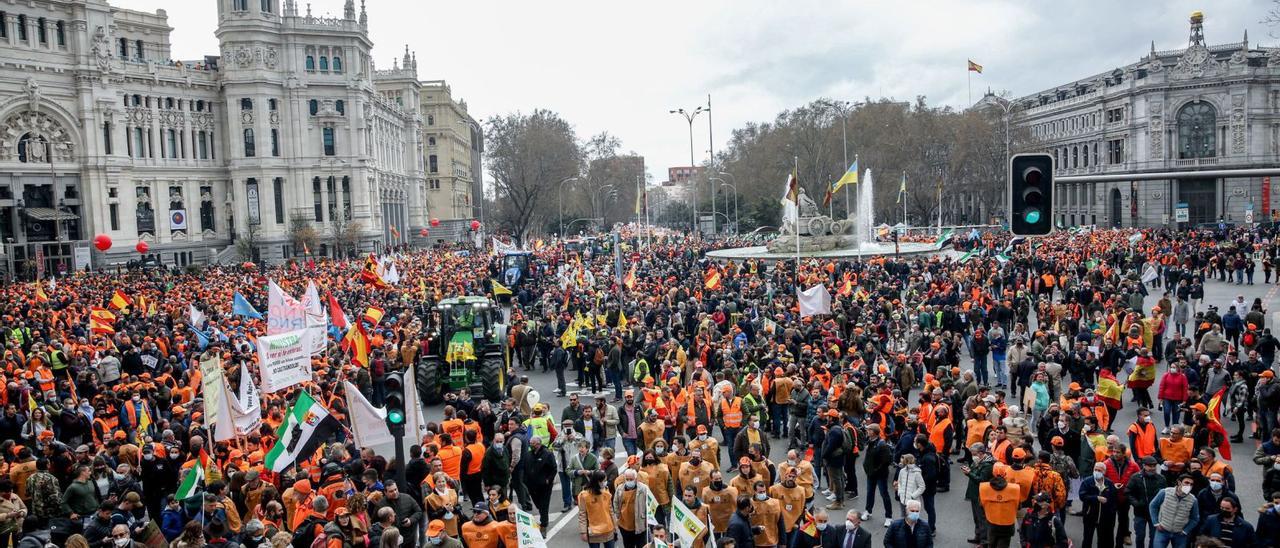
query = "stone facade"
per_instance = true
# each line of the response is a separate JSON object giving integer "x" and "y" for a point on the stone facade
{"x": 288, "y": 124}
{"x": 1201, "y": 108}
{"x": 454, "y": 143}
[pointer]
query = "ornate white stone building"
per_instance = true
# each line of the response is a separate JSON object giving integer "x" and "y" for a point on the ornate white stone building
{"x": 1193, "y": 113}
{"x": 290, "y": 125}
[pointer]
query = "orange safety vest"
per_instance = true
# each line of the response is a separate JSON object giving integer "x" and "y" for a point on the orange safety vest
{"x": 731, "y": 412}
{"x": 937, "y": 434}
{"x": 454, "y": 429}
{"x": 1176, "y": 451}
{"x": 977, "y": 431}
{"x": 451, "y": 461}
{"x": 481, "y": 536}
{"x": 1000, "y": 505}
{"x": 477, "y": 458}
{"x": 1144, "y": 439}
{"x": 108, "y": 425}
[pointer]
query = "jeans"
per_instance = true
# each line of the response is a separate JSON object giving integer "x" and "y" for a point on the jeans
{"x": 980, "y": 524}
{"x": 1165, "y": 538}
{"x": 881, "y": 483}
{"x": 980, "y": 369}
{"x": 778, "y": 418}
{"x": 615, "y": 378}
{"x": 1170, "y": 413}
{"x": 629, "y": 445}
{"x": 729, "y": 435}
{"x": 1144, "y": 531}
{"x": 1002, "y": 376}
{"x": 566, "y": 490}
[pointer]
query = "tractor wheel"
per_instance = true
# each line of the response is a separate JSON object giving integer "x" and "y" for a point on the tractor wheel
{"x": 490, "y": 371}
{"x": 429, "y": 382}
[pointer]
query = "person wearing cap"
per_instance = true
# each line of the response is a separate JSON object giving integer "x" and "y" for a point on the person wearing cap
{"x": 1267, "y": 398}
{"x": 540, "y": 477}
{"x": 439, "y": 536}
{"x": 707, "y": 446}
{"x": 1000, "y": 501}
{"x": 630, "y": 415}
{"x": 482, "y": 531}
{"x": 979, "y": 472}
{"x": 1042, "y": 527}
{"x": 834, "y": 455}
{"x": 1142, "y": 487}
{"x": 629, "y": 509}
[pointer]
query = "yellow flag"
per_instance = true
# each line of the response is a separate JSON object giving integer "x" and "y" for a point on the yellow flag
{"x": 622, "y": 319}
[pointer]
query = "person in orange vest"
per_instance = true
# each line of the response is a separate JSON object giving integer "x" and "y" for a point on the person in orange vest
{"x": 481, "y": 531}
{"x": 1142, "y": 435}
{"x": 1000, "y": 500}
{"x": 471, "y": 464}
{"x": 450, "y": 457}
{"x": 942, "y": 435}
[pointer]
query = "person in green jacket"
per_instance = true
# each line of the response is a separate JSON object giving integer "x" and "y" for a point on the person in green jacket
{"x": 978, "y": 473}
{"x": 80, "y": 499}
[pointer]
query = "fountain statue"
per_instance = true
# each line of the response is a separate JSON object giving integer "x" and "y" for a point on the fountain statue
{"x": 807, "y": 230}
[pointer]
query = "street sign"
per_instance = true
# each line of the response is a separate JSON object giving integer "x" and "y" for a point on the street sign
{"x": 1182, "y": 213}
{"x": 1248, "y": 216}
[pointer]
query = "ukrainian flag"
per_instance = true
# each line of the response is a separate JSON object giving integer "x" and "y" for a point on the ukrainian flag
{"x": 850, "y": 177}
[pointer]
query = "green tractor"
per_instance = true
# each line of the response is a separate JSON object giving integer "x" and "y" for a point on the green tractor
{"x": 466, "y": 350}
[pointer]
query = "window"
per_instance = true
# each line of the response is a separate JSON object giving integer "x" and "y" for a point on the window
{"x": 246, "y": 104}
{"x": 22, "y": 28}
{"x": 328, "y": 141}
{"x": 333, "y": 197}
{"x": 1085, "y": 160}
{"x": 4, "y": 24}
{"x": 239, "y": 5}
{"x": 433, "y": 161}
{"x": 277, "y": 191}
{"x": 314, "y": 106}
{"x": 1195, "y": 131}
{"x": 275, "y": 142}
{"x": 168, "y": 102}
{"x": 1075, "y": 156}
{"x": 212, "y": 156}
{"x": 41, "y": 34}
{"x": 124, "y": 48}
{"x": 337, "y": 64}
{"x": 249, "y": 150}
{"x": 346, "y": 197}
{"x": 324, "y": 64}
{"x": 271, "y": 105}
{"x": 140, "y": 145}
{"x": 138, "y": 54}
{"x": 61, "y": 31}
{"x": 266, "y": 6}
{"x": 433, "y": 184}
{"x": 173, "y": 143}
{"x": 203, "y": 143}
{"x": 106, "y": 137}
{"x": 431, "y": 141}
{"x": 431, "y": 120}
{"x": 200, "y": 105}
{"x": 1115, "y": 151}
{"x": 318, "y": 202}
{"x": 253, "y": 201}
{"x": 113, "y": 211}
{"x": 311, "y": 63}
{"x": 1115, "y": 115}
{"x": 341, "y": 106}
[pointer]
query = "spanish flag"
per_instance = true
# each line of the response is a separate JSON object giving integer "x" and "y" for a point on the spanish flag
{"x": 846, "y": 285}
{"x": 102, "y": 321}
{"x": 1109, "y": 390}
{"x": 1214, "y": 412}
{"x": 629, "y": 281}
{"x": 374, "y": 315}
{"x": 974, "y": 67}
{"x": 120, "y": 301}
{"x": 144, "y": 424}
{"x": 41, "y": 297}
{"x": 357, "y": 341}
{"x": 810, "y": 526}
{"x": 712, "y": 278}
{"x": 369, "y": 274}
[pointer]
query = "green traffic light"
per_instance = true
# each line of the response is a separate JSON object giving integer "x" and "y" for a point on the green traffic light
{"x": 395, "y": 417}
{"x": 1032, "y": 216}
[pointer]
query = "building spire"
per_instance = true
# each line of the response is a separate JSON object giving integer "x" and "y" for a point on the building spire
{"x": 349, "y": 10}
{"x": 1197, "y": 29}
{"x": 364, "y": 16}
{"x": 407, "y": 60}
{"x": 1246, "y": 40}
{"x": 290, "y": 8}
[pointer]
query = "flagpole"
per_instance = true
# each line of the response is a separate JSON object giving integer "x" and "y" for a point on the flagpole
{"x": 902, "y": 196}
{"x": 969, "y": 75}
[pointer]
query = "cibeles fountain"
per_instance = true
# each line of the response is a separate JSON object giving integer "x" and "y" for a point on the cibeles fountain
{"x": 806, "y": 232}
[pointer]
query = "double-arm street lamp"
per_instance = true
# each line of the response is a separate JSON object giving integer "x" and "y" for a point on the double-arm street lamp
{"x": 689, "y": 116}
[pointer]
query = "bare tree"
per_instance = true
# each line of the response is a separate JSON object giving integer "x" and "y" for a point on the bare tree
{"x": 302, "y": 234}
{"x": 1273, "y": 17}
{"x": 345, "y": 235}
{"x": 247, "y": 243}
{"x": 529, "y": 154}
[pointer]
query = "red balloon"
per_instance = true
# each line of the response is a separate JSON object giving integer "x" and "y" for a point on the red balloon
{"x": 142, "y": 247}
{"x": 435, "y": 222}
{"x": 102, "y": 242}
{"x": 475, "y": 225}
{"x": 423, "y": 233}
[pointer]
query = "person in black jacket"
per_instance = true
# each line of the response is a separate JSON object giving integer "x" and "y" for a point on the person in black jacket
{"x": 910, "y": 531}
{"x": 1042, "y": 528}
{"x": 930, "y": 466}
{"x": 879, "y": 457}
{"x": 833, "y": 456}
{"x": 540, "y": 476}
{"x": 740, "y": 528}
{"x": 1099, "y": 498}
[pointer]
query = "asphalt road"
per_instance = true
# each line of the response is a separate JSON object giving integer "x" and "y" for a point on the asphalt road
{"x": 954, "y": 517}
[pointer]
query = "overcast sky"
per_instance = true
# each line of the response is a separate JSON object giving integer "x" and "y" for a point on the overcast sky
{"x": 621, "y": 67}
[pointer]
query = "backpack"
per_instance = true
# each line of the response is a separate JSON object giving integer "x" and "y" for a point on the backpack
{"x": 599, "y": 357}
{"x": 847, "y": 447}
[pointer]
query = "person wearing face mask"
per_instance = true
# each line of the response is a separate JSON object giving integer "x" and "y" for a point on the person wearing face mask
{"x": 481, "y": 531}
{"x": 696, "y": 472}
{"x": 766, "y": 517}
{"x": 1212, "y": 496}
{"x": 1142, "y": 435}
{"x": 790, "y": 495}
{"x": 438, "y": 536}
{"x": 629, "y": 511}
{"x": 1268, "y": 522}
{"x": 1042, "y": 528}
{"x": 1142, "y": 487}
{"x": 1175, "y": 513}
{"x": 721, "y": 500}
{"x": 706, "y": 445}
{"x": 595, "y": 517}
{"x": 699, "y": 511}
{"x": 1098, "y": 498}
{"x": 909, "y": 531}
{"x": 1229, "y": 527}
{"x": 660, "y": 482}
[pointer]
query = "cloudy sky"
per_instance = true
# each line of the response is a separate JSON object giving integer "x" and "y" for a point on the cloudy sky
{"x": 620, "y": 67}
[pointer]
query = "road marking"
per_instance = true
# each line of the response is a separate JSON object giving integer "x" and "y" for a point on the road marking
{"x": 564, "y": 520}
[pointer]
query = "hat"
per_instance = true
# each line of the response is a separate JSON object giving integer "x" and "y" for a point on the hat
{"x": 1018, "y": 453}
{"x": 342, "y": 511}
{"x": 702, "y": 429}
{"x": 778, "y": 371}
{"x": 744, "y": 460}
{"x": 251, "y": 475}
{"x": 480, "y": 507}
{"x": 435, "y": 528}
{"x": 1000, "y": 471}
{"x": 833, "y": 413}
{"x": 303, "y": 486}
{"x": 48, "y": 435}
{"x": 980, "y": 410}
{"x": 1199, "y": 407}
{"x": 1057, "y": 441}
{"x": 1267, "y": 374}
{"x": 1075, "y": 386}
{"x": 1149, "y": 460}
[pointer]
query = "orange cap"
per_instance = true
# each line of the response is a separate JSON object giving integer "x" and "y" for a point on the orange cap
{"x": 435, "y": 528}
{"x": 980, "y": 410}
{"x": 1199, "y": 407}
{"x": 1018, "y": 453}
{"x": 1057, "y": 441}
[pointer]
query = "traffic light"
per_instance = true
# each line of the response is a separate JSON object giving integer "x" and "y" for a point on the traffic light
{"x": 393, "y": 384}
{"x": 1031, "y": 194}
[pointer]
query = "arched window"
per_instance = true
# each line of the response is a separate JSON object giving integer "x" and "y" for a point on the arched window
{"x": 314, "y": 105}
{"x": 249, "y": 149}
{"x": 324, "y": 63}
{"x": 311, "y": 63}
{"x": 337, "y": 64}
{"x": 1195, "y": 131}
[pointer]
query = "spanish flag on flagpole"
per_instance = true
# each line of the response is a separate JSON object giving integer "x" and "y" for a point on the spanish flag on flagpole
{"x": 1214, "y": 412}
{"x": 41, "y": 297}
{"x": 974, "y": 67}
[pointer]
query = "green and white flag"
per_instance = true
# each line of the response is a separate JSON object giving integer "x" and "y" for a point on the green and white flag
{"x": 193, "y": 478}
{"x": 684, "y": 523}
{"x": 527, "y": 534}
{"x": 307, "y": 425}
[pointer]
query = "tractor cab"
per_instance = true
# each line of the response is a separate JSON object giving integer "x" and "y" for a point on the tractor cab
{"x": 516, "y": 270}
{"x": 466, "y": 350}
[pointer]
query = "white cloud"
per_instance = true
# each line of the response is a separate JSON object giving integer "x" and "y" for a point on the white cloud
{"x": 621, "y": 66}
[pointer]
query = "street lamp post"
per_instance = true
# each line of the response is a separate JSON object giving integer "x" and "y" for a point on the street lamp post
{"x": 735, "y": 204}
{"x": 560, "y": 200}
{"x": 689, "y": 116}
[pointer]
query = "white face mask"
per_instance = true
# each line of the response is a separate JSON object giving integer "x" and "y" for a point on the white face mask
{"x": 821, "y": 526}
{"x": 1186, "y": 489}
{"x": 122, "y": 542}
{"x": 1215, "y": 485}
{"x": 849, "y": 525}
